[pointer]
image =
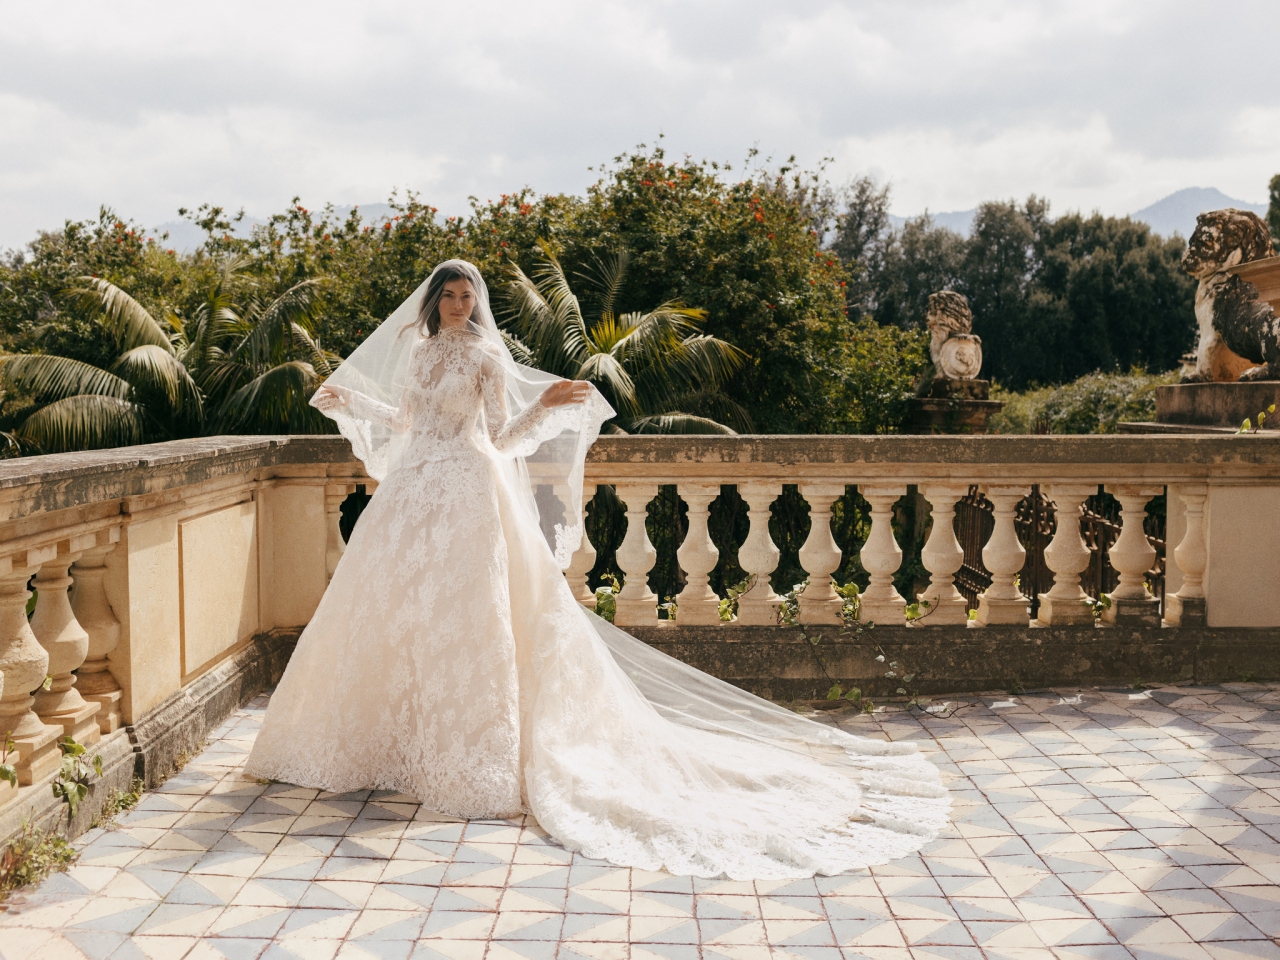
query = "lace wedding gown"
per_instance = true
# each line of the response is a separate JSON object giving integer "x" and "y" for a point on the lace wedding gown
{"x": 449, "y": 661}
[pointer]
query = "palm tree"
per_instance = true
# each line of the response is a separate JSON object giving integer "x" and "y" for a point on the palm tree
{"x": 257, "y": 365}
{"x": 660, "y": 372}
{"x": 222, "y": 371}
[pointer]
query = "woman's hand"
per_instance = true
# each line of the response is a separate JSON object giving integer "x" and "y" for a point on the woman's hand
{"x": 330, "y": 397}
{"x": 564, "y": 392}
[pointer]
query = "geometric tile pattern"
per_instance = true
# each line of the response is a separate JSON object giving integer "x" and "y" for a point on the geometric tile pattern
{"x": 1088, "y": 824}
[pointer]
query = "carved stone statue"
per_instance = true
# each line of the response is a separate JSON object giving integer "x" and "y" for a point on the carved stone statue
{"x": 1239, "y": 331}
{"x": 956, "y": 353}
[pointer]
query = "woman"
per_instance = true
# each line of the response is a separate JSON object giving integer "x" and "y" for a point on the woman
{"x": 449, "y": 661}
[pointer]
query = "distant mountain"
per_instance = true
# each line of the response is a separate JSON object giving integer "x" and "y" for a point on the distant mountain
{"x": 961, "y": 221}
{"x": 1177, "y": 212}
{"x": 185, "y": 236}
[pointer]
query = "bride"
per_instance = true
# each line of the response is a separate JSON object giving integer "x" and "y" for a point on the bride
{"x": 449, "y": 661}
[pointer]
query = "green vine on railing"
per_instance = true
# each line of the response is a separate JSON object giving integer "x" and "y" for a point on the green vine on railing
{"x": 72, "y": 782}
{"x": 8, "y": 772}
{"x": 1248, "y": 427}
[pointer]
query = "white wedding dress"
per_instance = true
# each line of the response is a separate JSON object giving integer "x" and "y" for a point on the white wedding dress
{"x": 448, "y": 660}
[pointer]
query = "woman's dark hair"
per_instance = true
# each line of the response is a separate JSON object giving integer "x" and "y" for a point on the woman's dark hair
{"x": 429, "y": 311}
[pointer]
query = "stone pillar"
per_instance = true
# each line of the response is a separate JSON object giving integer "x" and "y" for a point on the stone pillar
{"x": 1003, "y": 556}
{"x": 697, "y": 602}
{"x": 943, "y": 557}
{"x": 93, "y": 610}
{"x": 24, "y": 664}
{"x": 1187, "y": 606}
{"x": 1132, "y": 556}
{"x": 820, "y": 556}
{"x": 759, "y": 556}
{"x": 1067, "y": 556}
{"x": 881, "y": 556}
{"x": 335, "y": 494}
{"x": 67, "y": 643}
{"x": 637, "y": 605}
{"x": 585, "y": 557}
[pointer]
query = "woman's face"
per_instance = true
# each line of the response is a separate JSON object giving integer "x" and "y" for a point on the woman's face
{"x": 457, "y": 300}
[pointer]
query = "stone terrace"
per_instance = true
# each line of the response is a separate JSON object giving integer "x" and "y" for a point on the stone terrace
{"x": 1096, "y": 823}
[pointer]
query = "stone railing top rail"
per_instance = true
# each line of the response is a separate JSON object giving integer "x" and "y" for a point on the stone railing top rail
{"x": 32, "y": 485}
{"x": 914, "y": 459}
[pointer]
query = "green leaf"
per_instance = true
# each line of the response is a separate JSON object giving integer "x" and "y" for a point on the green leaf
{"x": 69, "y": 747}
{"x": 835, "y": 693}
{"x": 9, "y": 773}
{"x": 126, "y": 319}
{"x": 47, "y": 684}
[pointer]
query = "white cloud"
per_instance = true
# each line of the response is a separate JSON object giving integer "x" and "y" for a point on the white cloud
{"x": 150, "y": 106}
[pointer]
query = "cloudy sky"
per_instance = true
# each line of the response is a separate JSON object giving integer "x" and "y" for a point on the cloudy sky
{"x": 1097, "y": 105}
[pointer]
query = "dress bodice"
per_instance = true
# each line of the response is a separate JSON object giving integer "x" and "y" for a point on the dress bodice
{"x": 454, "y": 401}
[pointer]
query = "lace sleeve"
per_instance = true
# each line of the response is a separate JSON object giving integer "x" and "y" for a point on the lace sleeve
{"x": 360, "y": 407}
{"x": 505, "y": 431}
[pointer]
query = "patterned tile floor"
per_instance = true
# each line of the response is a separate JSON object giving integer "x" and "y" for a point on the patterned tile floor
{"x": 1099, "y": 824}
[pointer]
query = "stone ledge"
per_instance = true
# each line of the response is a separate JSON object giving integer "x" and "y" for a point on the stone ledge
{"x": 149, "y": 748}
{"x": 779, "y": 663}
{"x": 183, "y": 721}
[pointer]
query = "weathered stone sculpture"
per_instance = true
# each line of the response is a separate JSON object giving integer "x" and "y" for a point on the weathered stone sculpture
{"x": 955, "y": 351}
{"x": 949, "y": 397}
{"x": 1239, "y": 331}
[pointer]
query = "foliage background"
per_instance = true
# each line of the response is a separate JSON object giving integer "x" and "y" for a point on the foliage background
{"x": 812, "y": 282}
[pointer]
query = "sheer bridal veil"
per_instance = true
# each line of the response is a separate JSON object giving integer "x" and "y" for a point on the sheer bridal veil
{"x": 544, "y": 470}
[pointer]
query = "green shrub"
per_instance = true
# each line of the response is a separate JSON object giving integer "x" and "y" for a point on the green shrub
{"x": 1096, "y": 403}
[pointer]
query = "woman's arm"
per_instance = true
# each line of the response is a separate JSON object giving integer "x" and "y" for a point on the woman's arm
{"x": 332, "y": 398}
{"x": 505, "y": 431}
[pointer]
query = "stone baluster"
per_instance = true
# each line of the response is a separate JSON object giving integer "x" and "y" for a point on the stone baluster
{"x": 820, "y": 557}
{"x": 881, "y": 556}
{"x": 697, "y": 603}
{"x": 1132, "y": 555}
{"x": 1067, "y": 556}
{"x": 943, "y": 557}
{"x": 637, "y": 605}
{"x": 335, "y": 494}
{"x": 93, "y": 610}
{"x": 1003, "y": 556}
{"x": 585, "y": 556}
{"x": 1187, "y": 606}
{"x": 759, "y": 556}
{"x": 67, "y": 643}
{"x": 25, "y": 665}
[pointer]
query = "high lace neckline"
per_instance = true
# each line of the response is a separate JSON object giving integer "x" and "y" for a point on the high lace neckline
{"x": 456, "y": 332}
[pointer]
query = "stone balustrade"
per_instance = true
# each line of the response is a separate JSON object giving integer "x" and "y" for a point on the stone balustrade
{"x": 145, "y": 592}
{"x": 128, "y": 578}
{"x": 1223, "y": 515}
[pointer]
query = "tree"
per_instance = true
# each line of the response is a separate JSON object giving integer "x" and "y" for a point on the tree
{"x": 1273, "y": 208}
{"x": 224, "y": 370}
{"x": 657, "y": 369}
{"x": 1052, "y": 299}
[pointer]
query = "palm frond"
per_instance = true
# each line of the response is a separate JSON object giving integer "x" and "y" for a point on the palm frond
{"x": 152, "y": 371}
{"x": 547, "y": 317}
{"x": 713, "y": 404}
{"x": 275, "y": 401}
{"x": 679, "y": 423}
{"x": 85, "y": 422}
{"x": 49, "y": 378}
{"x": 519, "y": 351}
{"x": 125, "y": 318}
{"x": 270, "y": 327}
{"x": 609, "y": 374}
{"x": 324, "y": 361}
{"x": 606, "y": 276}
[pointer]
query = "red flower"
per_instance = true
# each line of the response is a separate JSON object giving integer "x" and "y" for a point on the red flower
{"x": 759, "y": 216}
